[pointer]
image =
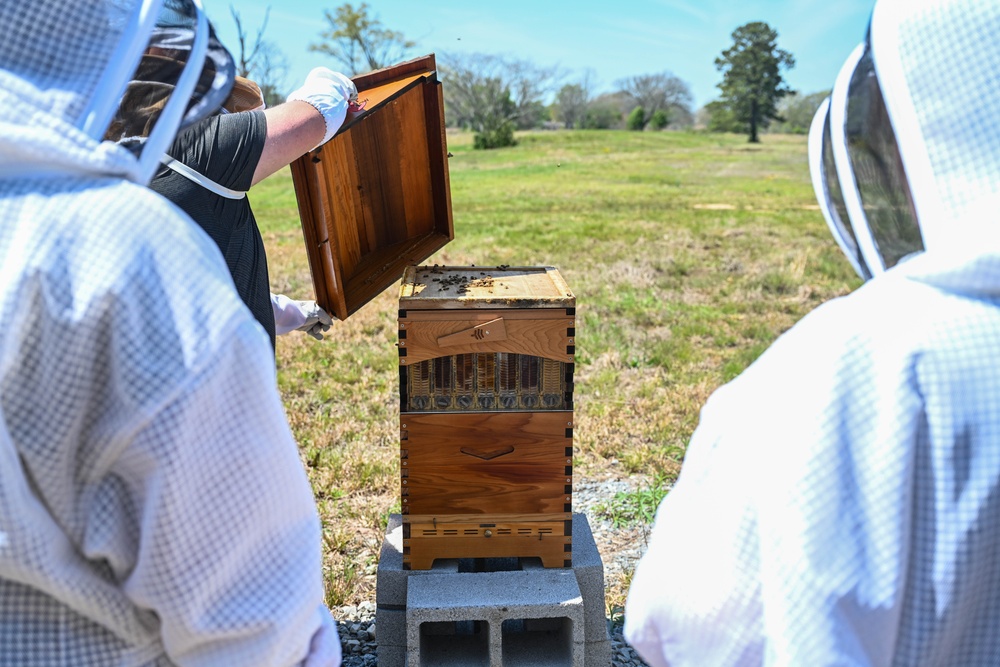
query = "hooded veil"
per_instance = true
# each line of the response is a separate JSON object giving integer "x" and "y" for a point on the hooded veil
{"x": 153, "y": 507}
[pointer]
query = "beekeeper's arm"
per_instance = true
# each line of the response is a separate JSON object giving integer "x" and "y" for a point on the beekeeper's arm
{"x": 310, "y": 118}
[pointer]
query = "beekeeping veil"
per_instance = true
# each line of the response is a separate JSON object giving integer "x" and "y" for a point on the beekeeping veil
{"x": 905, "y": 153}
{"x": 74, "y": 73}
{"x": 184, "y": 75}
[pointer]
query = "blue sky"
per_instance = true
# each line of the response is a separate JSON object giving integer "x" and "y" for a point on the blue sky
{"x": 611, "y": 40}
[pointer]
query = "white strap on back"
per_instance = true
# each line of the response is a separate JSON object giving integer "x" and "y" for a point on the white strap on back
{"x": 202, "y": 180}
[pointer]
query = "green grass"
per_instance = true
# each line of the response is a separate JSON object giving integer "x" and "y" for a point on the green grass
{"x": 636, "y": 507}
{"x": 688, "y": 254}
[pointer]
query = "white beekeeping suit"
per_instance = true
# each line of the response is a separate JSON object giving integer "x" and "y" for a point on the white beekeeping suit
{"x": 840, "y": 500}
{"x": 153, "y": 508}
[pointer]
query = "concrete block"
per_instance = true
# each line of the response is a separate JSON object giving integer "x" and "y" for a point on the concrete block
{"x": 536, "y": 649}
{"x": 544, "y": 637}
{"x": 589, "y": 570}
{"x": 395, "y": 656}
{"x": 390, "y": 581}
{"x": 495, "y": 619}
{"x": 596, "y": 654}
{"x": 391, "y": 624}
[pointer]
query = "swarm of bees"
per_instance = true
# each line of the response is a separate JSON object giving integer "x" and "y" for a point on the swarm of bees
{"x": 466, "y": 283}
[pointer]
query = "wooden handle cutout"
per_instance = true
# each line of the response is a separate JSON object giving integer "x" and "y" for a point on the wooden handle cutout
{"x": 486, "y": 456}
{"x": 481, "y": 333}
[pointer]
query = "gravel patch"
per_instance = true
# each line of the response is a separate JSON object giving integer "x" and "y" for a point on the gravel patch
{"x": 358, "y": 638}
{"x": 620, "y": 550}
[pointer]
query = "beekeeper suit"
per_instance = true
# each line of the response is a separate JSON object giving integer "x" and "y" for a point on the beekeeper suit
{"x": 153, "y": 508}
{"x": 840, "y": 500}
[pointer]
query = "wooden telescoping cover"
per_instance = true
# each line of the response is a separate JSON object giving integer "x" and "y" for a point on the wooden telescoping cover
{"x": 375, "y": 198}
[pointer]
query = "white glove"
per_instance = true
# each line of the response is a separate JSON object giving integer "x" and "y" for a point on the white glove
{"x": 330, "y": 92}
{"x": 291, "y": 315}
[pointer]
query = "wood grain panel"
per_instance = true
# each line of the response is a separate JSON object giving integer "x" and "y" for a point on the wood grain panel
{"x": 539, "y": 540}
{"x": 437, "y": 156}
{"x": 376, "y": 78}
{"x": 539, "y": 338}
{"x": 340, "y": 201}
{"x": 477, "y": 315}
{"x": 372, "y": 189}
{"x": 381, "y": 179}
{"x": 415, "y": 184}
{"x": 307, "y": 181}
{"x": 485, "y": 520}
{"x": 438, "y": 478}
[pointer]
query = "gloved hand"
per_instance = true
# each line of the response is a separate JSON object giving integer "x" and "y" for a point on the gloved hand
{"x": 317, "y": 321}
{"x": 330, "y": 92}
{"x": 307, "y": 316}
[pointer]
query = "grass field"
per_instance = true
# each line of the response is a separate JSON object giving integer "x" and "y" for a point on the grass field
{"x": 688, "y": 254}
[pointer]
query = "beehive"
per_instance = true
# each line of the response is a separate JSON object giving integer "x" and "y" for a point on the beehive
{"x": 486, "y": 414}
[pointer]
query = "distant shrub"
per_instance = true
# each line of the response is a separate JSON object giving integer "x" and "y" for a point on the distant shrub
{"x": 499, "y": 138}
{"x": 659, "y": 119}
{"x": 636, "y": 120}
{"x": 600, "y": 116}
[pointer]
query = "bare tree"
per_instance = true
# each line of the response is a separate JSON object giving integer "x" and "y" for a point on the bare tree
{"x": 260, "y": 59}
{"x": 248, "y": 50}
{"x": 796, "y": 112}
{"x": 656, "y": 92}
{"x": 360, "y": 42}
{"x": 572, "y": 100}
{"x": 571, "y": 104}
{"x": 270, "y": 70}
{"x": 492, "y": 95}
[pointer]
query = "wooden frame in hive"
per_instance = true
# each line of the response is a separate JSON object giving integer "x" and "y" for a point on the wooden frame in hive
{"x": 376, "y": 197}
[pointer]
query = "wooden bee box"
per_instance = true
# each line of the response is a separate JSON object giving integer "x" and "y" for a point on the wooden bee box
{"x": 486, "y": 414}
{"x": 375, "y": 198}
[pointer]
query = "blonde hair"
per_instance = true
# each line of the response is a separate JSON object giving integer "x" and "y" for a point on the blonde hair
{"x": 246, "y": 96}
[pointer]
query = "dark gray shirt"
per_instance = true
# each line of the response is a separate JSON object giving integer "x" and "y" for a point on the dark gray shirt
{"x": 226, "y": 149}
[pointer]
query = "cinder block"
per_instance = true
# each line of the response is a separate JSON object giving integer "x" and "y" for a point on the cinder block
{"x": 390, "y": 582}
{"x": 390, "y": 593}
{"x": 589, "y": 570}
{"x": 495, "y": 619}
{"x": 391, "y": 625}
{"x": 525, "y": 635}
{"x": 596, "y": 654}
{"x": 395, "y": 656}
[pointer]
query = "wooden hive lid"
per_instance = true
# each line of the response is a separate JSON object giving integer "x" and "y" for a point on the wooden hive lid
{"x": 455, "y": 287}
{"x": 376, "y": 197}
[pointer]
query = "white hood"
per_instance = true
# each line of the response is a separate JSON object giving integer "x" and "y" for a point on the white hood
{"x": 937, "y": 62}
{"x": 49, "y": 88}
{"x": 921, "y": 95}
{"x": 937, "y": 65}
{"x": 58, "y": 96}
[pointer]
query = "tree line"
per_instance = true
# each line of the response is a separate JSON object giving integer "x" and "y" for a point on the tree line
{"x": 493, "y": 95}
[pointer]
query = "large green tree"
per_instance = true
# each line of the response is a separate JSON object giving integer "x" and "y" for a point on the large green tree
{"x": 359, "y": 41}
{"x": 751, "y": 76}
